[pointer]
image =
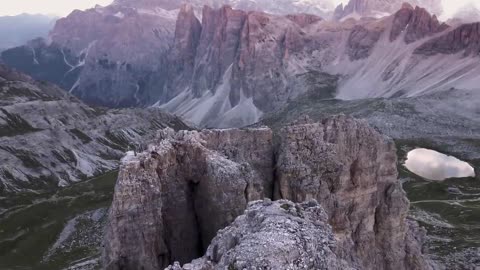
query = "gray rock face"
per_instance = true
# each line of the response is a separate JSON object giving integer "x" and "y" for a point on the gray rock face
{"x": 87, "y": 60}
{"x": 465, "y": 38}
{"x": 171, "y": 200}
{"x": 189, "y": 190}
{"x": 242, "y": 66}
{"x": 247, "y": 64}
{"x": 182, "y": 57}
{"x": 357, "y": 168}
{"x": 85, "y": 49}
{"x": 43, "y": 61}
{"x": 49, "y": 138}
{"x": 273, "y": 235}
{"x": 361, "y": 42}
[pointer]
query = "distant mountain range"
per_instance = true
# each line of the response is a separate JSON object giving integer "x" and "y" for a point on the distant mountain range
{"x": 282, "y": 7}
{"x": 381, "y": 8}
{"x": 223, "y": 67}
{"x": 17, "y": 30}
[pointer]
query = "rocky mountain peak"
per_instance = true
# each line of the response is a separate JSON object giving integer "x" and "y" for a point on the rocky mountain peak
{"x": 406, "y": 5}
{"x": 187, "y": 30}
{"x": 416, "y": 23}
{"x": 381, "y": 8}
{"x": 171, "y": 200}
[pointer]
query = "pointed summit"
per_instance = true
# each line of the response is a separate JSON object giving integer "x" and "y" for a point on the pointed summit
{"x": 381, "y": 8}
{"x": 407, "y": 6}
{"x": 416, "y": 23}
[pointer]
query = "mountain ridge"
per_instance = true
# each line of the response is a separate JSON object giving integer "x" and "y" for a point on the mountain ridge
{"x": 208, "y": 70}
{"x": 50, "y": 139}
{"x": 27, "y": 27}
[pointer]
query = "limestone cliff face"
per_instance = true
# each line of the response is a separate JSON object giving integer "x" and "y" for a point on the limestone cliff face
{"x": 465, "y": 38}
{"x": 241, "y": 67}
{"x": 350, "y": 169}
{"x": 182, "y": 57}
{"x": 171, "y": 200}
{"x": 247, "y": 64}
{"x": 190, "y": 186}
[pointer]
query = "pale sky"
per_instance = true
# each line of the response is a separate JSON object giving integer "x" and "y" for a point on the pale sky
{"x": 51, "y": 7}
{"x": 64, "y": 7}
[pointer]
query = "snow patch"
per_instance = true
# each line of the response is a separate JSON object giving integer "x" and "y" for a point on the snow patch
{"x": 87, "y": 164}
{"x": 35, "y": 60}
{"x": 65, "y": 59}
{"x": 129, "y": 157}
{"x": 159, "y": 12}
{"x": 75, "y": 85}
{"x": 119, "y": 15}
{"x": 135, "y": 95}
{"x": 68, "y": 230}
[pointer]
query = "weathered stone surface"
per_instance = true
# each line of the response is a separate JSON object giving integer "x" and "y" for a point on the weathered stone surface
{"x": 181, "y": 60}
{"x": 235, "y": 74}
{"x": 218, "y": 46}
{"x": 196, "y": 190}
{"x": 349, "y": 168}
{"x": 273, "y": 235}
{"x": 171, "y": 200}
{"x": 361, "y": 42}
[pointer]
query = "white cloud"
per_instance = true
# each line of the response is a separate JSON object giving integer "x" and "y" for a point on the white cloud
{"x": 53, "y": 7}
{"x": 452, "y": 6}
